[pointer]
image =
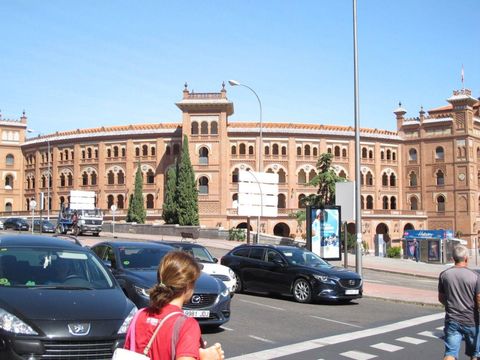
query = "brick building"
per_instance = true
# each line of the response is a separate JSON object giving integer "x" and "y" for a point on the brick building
{"x": 423, "y": 176}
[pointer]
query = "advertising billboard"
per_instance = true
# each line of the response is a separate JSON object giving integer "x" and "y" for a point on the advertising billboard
{"x": 323, "y": 231}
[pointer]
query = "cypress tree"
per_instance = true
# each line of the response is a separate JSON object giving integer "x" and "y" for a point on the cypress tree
{"x": 170, "y": 211}
{"x": 187, "y": 195}
{"x": 136, "y": 209}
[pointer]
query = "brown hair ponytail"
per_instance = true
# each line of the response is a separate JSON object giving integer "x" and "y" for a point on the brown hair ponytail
{"x": 176, "y": 274}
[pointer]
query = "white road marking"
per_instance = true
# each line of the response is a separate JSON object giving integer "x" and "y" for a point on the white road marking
{"x": 358, "y": 355}
{"x": 435, "y": 335}
{"x": 261, "y": 339}
{"x": 336, "y": 339}
{"x": 440, "y": 328}
{"x": 335, "y": 321}
{"x": 386, "y": 347}
{"x": 411, "y": 340}
{"x": 259, "y": 304}
{"x": 226, "y": 328}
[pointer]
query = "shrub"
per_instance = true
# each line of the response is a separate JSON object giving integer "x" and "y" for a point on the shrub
{"x": 236, "y": 234}
{"x": 394, "y": 252}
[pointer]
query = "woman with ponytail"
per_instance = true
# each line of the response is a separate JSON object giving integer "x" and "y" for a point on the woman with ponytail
{"x": 178, "y": 337}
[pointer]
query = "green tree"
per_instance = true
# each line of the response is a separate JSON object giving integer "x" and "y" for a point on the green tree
{"x": 170, "y": 211}
{"x": 186, "y": 193}
{"x": 136, "y": 209}
{"x": 325, "y": 182}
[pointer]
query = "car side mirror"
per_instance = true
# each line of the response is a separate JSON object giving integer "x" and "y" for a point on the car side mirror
{"x": 107, "y": 263}
{"x": 279, "y": 262}
{"x": 215, "y": 260}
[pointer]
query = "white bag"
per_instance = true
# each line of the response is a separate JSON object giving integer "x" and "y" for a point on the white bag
{"x": 124, "y": 354}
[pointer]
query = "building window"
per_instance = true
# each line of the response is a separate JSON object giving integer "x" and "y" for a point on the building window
{"x": 115, "y": 151}
{"x": 203, "y": 156}
{"x": 364, "y": 153}
{"x": 234, "y": 150}
{"x": 342, "y": 174}
{"x": 89, "y": 153}
{"x": 393, "y": 203}
{"x": 337, "y": 151}
{"x": 440, "y": 178}
{"x": 439, "y": 153}
{"x": 344, "y": 152}
{"x": 110, "y": 178}
{"x": 370, "y": 154}
{"x": 235, "y": 176}
{"x": 413, "y": 179}
{"x": 299, "y": 151}
{"x": 315, "y": 151}
{"x": 150, "y": 202}
{"x": 204, "y": 128}
{"x": 242, "y": 149}
{"x": 62, "y": 180}
{"x": 306, "y": 150}
{"x": 393, "y": 180}
{"x": 275, "y": 149}
{"x": 84, "y": 179}
{"x": 389, "y": 154}
{"x": 302, "y": 177}
{"x": 413, "y": 203}
{"x": 384, "y": 179}
{"x": 412, "y": 154}
{"x": 120, "y": 202}
{"x": 301, "y": 203}
{"x": 250, "y": 150}
{"x": 203, "y": 185}
{"x": 369, "y": 202}
{"x": 137, "y": 151}
{"x": 282, "y": 201}
{"x": 124, "y": 151}
{"x": 194, "y": 128}
{"x": 144, "y": 150}
{"x": 281, "y": 176}
{"x": 8, "y": 207}
{"x": 362, "y": 202}
{"x": 369, "y": 178}
{"x": 70, "y": 179}
{"x": 214, "y": 128}
{"x": 385, "y": 203}
{"x": 120, "y": 177}
{"x": 311, "y": 175}
{"x": 150, "y": 177}
{"x": 93, "y": 178}
{"x": 440, "y": 203}
{"x": 9, "y": 182}
{"x": 267, "y": 150}
{"x": 110, "y": 199}
{"x": 9, "y": 160}
{"x": 152, "y": 151}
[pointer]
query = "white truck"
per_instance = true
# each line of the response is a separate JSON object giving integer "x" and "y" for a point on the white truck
{"x": 81, "y": 215}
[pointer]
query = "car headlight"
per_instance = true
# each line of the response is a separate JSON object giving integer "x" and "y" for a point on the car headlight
{"x": 225, "y": 292}
{"x": 231, "y": 273}
{"x": 11, "y": 323}
{"x": 123, "y": 329}
{"x": 142, "y": 291}
{"x": 322, "y": 278}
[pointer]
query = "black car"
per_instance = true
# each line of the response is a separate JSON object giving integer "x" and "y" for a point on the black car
{"x": 292, "y": 271}
{"x": 58, "y": 301}
{"x": 135, "y": 265}
{"x": 16, "y": 224}
{"x": 43, "y": 226}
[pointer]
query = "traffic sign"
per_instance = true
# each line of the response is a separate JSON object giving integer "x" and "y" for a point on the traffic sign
{"x": 33, "y": 204}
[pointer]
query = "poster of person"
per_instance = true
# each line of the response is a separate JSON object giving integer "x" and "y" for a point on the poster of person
{"x": 433, "y": 250}
{"x": 411, "y": 249}
{"x": 323, "y": 232}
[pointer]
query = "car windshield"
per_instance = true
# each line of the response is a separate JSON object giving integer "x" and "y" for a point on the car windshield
{"x": 304, "y": 257}
{"x": 141, "y": 257}
{"x": 52, "y": 269}
{"x": 200, "y": 254}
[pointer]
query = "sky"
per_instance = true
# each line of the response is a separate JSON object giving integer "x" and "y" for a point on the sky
{"x": 89, "y": 63}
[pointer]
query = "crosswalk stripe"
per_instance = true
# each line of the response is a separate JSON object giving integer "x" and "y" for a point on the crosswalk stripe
{"x": 358, "y": 355}
{"x": 411, "y": 340}
{"x": 261, "y": 339}
{"x": 432, "y": 334}
{"x": 439, "y": 328}
{"x": 386, "y": 347}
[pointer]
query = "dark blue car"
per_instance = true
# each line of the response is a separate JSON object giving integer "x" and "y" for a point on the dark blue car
{"x": 134, "y": 265}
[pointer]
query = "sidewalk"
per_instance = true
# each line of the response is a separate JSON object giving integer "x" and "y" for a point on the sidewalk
{"x": 370, "y": 289}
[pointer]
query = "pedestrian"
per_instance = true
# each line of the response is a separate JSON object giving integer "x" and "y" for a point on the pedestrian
{"x": 179, "y": 337}
{"x": 459, "y": 292}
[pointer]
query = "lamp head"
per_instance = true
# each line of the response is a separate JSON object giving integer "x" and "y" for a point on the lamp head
{"x": 233, "y": 82}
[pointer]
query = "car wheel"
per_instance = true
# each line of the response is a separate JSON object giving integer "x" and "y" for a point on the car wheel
{"x": 238, "y": 283}
{"x": 302, "y": 291}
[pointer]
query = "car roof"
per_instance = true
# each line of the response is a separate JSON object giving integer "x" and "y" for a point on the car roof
{"x": 278, "y": 247}
{"x": 185, "y": 244}
{"x": 38, "y": 241}
{"x": 142, "y": 244}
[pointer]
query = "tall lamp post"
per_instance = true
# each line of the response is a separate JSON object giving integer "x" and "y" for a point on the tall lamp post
{"x": 260, "y": 160}
{"x": 49, "y": 174}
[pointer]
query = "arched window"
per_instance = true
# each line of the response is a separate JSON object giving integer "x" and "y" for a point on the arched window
{"x": 8, "y": 207}
{"x": 369, "y": 179}
{"x": 93, "y": 178}
{"x": 413, "y": 203}
{"x": 299, "y": 151}
{"x": 203, "y": 185}
{"x": 44, "y": 181}
{"x": 203, "y": 156}
{"x": 413, "y": 179}
{"x": 370, "y": 154}
{"x": 70, "y": 179}
{"x": 62, "y": 201}
{"x": 362, "y": 180}
{"x": 281, "y": 176}
{"x": 440, "y": 203}
{"x": 9, "y": 182}
{"x": 337, "y": 151}
{"x": 61, "y": 156}
{"x": 235, "y": 176}
{"x": 315, "y": 151}
{"x": 284, "y": 150}
{"x": 150, "y": 176}
{"x": 84, "y": 178}
{"x": 234, "y": 150}
{"x": 382, "y": 155}
{"x": 342, "y": 174}
{"x": 120, "y": 202}
{"x": 144, "y": 150}
{"x": 66, "y": 154}
{"x": 440, "y": 178}
{"x": 9, "y": 159}
{"x": 214, "y": 128}
{"x": 389, "y": 154}
{"x": 344, "y": 152}
{"x": 385, "y": 203}
{"x": 110, "y": 178}
{"x": 242, "y": 149}
{"x": 152, "y": 151}
{"x": 393, "y": 203}
{"x": 120, "y": 177}
{"x": 275, "y": 149}
{"x": 150, "y": 202}
{"x": 89, "y": 153}
{"x": 369, "y": 202}
{"x": 364, "y": 152}
{"x": 124, "y": 152}
{"x": 96, "y": 153}
{"x": 194, "y": 128}
{"x": 384, "y": 179}
{"x": 394, "y": 156}
{"x": 62, "y": 180}
{"x": 115, "y": 151}
{"x": 301, "y": 204}
{"x": 306, "y": 150}
{"x": 302, "y": 177}
{"x": 439, "y": 153}
{"x": 204, "y": 128}
{"x": 412, "y": 154}
{"x": 109, "y": 201}
{"x": 393, "y": 180}
{"x": 282, "y": 204}
{"x": 109, "y": 153}
{"x": 311, "y": 175}
{"x": 267, "y": 150}
{"x": 362, "y": 202}
{"x": 137, "y": 151}
{"x": 250, "y": 150}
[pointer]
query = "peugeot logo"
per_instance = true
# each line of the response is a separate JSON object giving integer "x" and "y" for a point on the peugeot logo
{"x": 196, "y": 299}
{"x": 80, "y": 329}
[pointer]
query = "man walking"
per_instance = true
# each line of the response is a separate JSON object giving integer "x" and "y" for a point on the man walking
{"x": 459, "y": 292}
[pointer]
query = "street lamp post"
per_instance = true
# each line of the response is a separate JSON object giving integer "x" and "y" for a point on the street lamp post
{"x": 260, "y": 150}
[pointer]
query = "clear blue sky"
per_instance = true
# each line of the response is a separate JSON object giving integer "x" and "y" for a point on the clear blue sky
{"x": 77, "y": 64}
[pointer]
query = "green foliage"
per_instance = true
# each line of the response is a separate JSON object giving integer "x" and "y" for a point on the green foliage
{"x": 325, "y": 182}
{"x": 136, "y": 209}
{"x": 300, "y": 216}
{"x": 170, "y": 211}
{"x": 186, "y": 192}
{"x": 351, "y": 241}
{"x": 236, "y": 234}
{"x": 394, "y": 252}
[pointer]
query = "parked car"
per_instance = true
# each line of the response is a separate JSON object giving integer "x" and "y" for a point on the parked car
{"x": 293, "y": 271}
{"x": 135, "y": 265}
{"x": 43, "y": 226}
{"x": 16, "y": 224}
{"x": 210, "y": 263}
{"x": 58, "y": 300}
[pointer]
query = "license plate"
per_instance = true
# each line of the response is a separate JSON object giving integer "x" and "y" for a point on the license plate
{"x": 197, "y": 313}
{"x": 352, "y": 292}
